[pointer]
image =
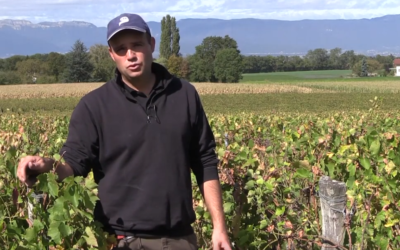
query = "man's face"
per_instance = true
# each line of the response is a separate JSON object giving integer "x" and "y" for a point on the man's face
{"x": 132, "y": 52}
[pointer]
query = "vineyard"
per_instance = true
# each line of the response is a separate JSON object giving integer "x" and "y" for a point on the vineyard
{"x": 270, "y": 165}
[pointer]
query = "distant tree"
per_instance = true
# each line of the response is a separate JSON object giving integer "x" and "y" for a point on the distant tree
{"x": 169, "y": 42}
{"x": 334, "y": 59}
{"x": 30, "y": 68}
{"x": 281, "y": 64}
{"x": 175, "y": 48}
{"x": 174, "y": 65}
{"x": 185, "y": 68}
{"x": 318, "y": 59}
{"x": 299, "y": 63}
{"x": 39, "y": 56}
{"x": 78, "y": 65}
{"x": 251, "y": 64}
{"x": 228, "y": 65}
{"x": 364, "y": 68}
{"x": 11, "y": 62}
{"x": 2, "y": 64}
{"x": 200, "y": 70}
{"x": 268, "y": 64}
{"x": 202, "y": 61}
{"x": 367, "y": 65}
{"x": 56, "y": 65}
{"x": 178, "y": 66}
{"x": 386, "y": 61}
{"x": 10, "y": 77}
{"x": 166, "y": 37}
{"x": 348, "y": 59}
{"x": 103, "y": 65}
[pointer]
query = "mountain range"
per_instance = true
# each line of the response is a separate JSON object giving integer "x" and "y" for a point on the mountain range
{"x": 254, "y": 36}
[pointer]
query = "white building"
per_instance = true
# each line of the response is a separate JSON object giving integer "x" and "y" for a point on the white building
{"x": 396, "y": 67}
{"x": 397, "y": 71}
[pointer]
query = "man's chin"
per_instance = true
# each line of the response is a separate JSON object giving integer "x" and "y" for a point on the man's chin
{"x": 134, "y": 75}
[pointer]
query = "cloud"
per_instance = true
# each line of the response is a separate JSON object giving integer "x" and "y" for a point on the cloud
{"x": 99, "y": 12}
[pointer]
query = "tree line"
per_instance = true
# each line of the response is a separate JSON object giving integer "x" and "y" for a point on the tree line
{"x": 321, "y": 59}
{"x": 216, "y": 59}
{"x": 78, "y": 65}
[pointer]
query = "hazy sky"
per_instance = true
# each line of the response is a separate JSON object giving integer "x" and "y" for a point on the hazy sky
{"x": 99, "y": 12}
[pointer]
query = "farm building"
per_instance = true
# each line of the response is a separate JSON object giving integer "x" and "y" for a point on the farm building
{"x": 396, "y": 65}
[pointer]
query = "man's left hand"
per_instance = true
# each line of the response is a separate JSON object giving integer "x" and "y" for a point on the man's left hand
{"x": 221, "y": 241}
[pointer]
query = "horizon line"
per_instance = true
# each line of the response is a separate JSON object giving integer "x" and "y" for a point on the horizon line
{"x": 220, "y": 19}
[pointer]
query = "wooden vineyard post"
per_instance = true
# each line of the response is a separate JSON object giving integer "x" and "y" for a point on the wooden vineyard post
{"x": 333, "y": 201}
{"x": 38, "y": 198}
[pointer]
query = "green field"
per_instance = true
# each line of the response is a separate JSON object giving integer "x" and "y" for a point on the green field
{"x": 296, "y": 76}
{"x": 310, "y": 76}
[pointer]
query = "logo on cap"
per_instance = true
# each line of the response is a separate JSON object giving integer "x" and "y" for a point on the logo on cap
{"x": 123, "y": 20}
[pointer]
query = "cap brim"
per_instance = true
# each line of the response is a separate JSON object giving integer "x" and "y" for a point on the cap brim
{"x": 125, "y": 28}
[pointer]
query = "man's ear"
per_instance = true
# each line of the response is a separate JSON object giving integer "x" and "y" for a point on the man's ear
{"x": 110, "y": 51}
{"x": 153, "y": 43}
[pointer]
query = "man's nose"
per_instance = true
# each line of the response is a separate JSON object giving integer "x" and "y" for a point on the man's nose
{"x": 130, "y": 54}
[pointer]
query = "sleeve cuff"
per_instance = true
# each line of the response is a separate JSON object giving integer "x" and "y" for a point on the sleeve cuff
{"x": 75, "y": 161}
{"x": 210, "y": 173}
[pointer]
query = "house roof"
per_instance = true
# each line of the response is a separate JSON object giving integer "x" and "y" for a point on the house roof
{"x": 396, "y": 62}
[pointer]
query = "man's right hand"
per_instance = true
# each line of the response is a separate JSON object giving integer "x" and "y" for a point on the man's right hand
{"x": 30, "y": 167}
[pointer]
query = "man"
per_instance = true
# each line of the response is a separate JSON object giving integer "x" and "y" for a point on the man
{"x": 141, "y": 133}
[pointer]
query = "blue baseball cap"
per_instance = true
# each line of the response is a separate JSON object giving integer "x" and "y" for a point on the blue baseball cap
{"x": 126, "y": 21}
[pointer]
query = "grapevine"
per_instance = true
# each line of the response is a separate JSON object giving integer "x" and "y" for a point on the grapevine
{"x": 269, "y": 170}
